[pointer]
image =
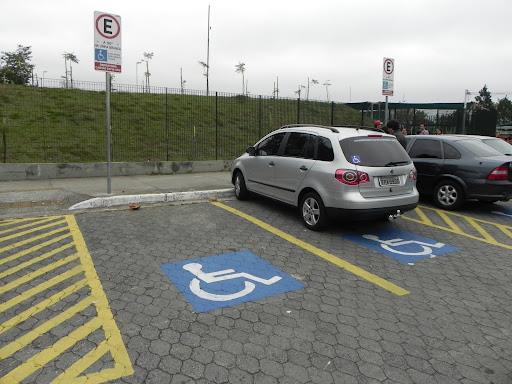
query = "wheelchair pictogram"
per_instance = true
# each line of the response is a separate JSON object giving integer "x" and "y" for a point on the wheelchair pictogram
{"x": 223, "y": 275}
{"x": 421, "y": 248}
{"x": 229, "y": 279}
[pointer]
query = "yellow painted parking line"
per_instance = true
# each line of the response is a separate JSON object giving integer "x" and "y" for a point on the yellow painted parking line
{"x": 35, "y": 260}
{"x": 10, "y": 247}
{"x": 423, "y": 216}
{"x": 31, "y": 230}
{"x": 7, "y": 222}
{"x": 70, "y": 375}
{"x": 25, "y": 295}
{"x": 359, "y": 272}
{"x": 42, "y": 358}
{"x": 38, "y": 272}
{"x": 48, "y": 325}
{"x": 426, "y": 214}
{"x": 18, "y": 227}
{"x": 35, "y": 248}
{"x": 486, "y": 235}
{"x": 41, "y": 235}
{"x": 42, "y": 305}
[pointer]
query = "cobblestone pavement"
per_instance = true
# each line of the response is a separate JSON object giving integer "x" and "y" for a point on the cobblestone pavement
{"x": 454, "y": 325}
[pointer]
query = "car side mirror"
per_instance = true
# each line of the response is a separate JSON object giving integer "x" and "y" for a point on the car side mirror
{"x": 251, "y": 151}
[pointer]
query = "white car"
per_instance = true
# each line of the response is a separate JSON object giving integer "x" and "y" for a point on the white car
{"x": 329, "y": 172}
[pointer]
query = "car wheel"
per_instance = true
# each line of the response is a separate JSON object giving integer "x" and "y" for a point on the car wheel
{"x": 313, "y": 211}
{"x": 448, "y": 195}
{"x": 241, "y": 191}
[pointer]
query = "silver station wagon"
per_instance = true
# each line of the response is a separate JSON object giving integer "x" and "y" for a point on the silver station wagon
{"x": 329, "y": 172}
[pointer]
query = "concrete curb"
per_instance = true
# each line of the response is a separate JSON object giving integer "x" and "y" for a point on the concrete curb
{"x": 151, "y": 198}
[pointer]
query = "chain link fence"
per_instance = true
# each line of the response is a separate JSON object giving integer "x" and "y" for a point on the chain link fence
{"x": 51, "y": 123}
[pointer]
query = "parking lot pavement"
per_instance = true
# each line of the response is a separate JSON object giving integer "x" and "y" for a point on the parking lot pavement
{"x": 241, "y": 292}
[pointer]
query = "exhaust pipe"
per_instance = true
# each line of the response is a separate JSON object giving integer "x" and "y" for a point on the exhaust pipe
{"x": 395, "y": 216}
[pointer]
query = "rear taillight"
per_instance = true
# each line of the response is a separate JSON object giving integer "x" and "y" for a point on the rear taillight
{"x": 350, "y": 177}
{"x": 413, "y": 174}
{"x": 499, "y": 173}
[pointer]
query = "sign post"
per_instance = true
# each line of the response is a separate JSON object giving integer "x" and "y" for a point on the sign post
{"x": 107, "y": 58}
{"x": 388, "y": 74}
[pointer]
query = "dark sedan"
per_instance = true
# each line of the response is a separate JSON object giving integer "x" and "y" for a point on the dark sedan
{"x": 456, "y": 168}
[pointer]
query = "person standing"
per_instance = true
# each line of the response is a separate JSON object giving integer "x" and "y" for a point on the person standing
{"x": 393, "y": 127}
{"x": 423, "y": 130}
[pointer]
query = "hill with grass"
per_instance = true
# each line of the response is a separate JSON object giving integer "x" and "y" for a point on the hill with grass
{"x": 68, "y": 125}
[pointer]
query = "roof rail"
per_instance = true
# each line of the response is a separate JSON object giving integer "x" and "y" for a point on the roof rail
{"x": 332, "y": 129}
{"x": 361, "y": 127}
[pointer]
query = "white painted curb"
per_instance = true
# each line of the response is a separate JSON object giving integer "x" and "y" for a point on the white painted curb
{"x": 112, "y": 201}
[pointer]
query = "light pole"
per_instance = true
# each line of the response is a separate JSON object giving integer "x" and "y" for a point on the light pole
{"x": 137, "y": 74}
{"x": 42, "y": 80}
{"x": 148, "y": 56}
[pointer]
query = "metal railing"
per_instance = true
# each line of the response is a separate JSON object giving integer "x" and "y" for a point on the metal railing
{"x": 51, "y": 123}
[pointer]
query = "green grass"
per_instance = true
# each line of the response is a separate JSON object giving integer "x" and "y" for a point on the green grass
{"x": 64, "y": 125}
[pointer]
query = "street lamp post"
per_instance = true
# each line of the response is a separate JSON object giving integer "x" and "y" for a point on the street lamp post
{"x": 137, "y": 74}
{"x": 42, "y": 80}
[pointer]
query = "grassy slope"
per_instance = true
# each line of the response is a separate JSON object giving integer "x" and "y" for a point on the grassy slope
{"x": 60, "y": 125}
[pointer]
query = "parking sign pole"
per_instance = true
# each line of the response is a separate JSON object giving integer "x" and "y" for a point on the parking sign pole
{"x": 107, "y": 131}
{"x": 386, "y": 111}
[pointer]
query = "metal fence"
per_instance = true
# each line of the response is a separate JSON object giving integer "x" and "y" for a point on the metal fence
{"x": 49, "y": 123}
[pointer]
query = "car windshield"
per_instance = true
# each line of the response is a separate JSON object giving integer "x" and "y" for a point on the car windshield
{"x": 478, "y": 148}
{"x": 374, "y": 151}
{"x": 500, "y": 145}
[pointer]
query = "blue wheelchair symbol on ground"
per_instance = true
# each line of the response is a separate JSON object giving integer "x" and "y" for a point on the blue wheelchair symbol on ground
{"x": 100, "y": 54}
{"x": 404, "y": 247}
{"x": 229, "y": 279}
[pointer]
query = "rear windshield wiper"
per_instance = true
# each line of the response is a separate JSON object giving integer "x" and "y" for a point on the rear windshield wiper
{"x": 393, "y": 163}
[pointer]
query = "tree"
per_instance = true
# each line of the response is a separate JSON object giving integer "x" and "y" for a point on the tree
{"x": 71, "y": 57}
{"x": 15, "y": 67}
{"x": 147, "y": 56}
{"x": 240, "y": 68}
{"x": 312, "y": 82}
{"x": 504, "y": 108}
{"x": 484, "y": 100}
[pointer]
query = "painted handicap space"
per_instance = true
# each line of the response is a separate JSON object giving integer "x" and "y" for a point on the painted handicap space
{"x": 228, "y": 279}
{"x": 404, "y": 247}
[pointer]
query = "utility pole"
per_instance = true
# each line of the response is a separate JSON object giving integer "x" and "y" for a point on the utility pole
{"x": 182, "y": 83}
{"x": 466, "y": 94}
{"x": 277, "y": 87}
{"x": 208, "y": 56}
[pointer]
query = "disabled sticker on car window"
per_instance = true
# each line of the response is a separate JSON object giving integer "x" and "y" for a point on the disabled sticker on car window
{"x": 404, "y": 247}
{"x": 229, "y": 279}
{"x": 356, "y": 159}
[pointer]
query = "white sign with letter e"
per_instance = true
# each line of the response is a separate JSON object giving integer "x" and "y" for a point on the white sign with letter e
{"x": 388, "y": 74}
{"x": 107, "y": 42}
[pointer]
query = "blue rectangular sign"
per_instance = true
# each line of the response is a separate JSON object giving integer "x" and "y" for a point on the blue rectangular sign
{"x": 404, "y": 247}
{"x": 226, "y": 280}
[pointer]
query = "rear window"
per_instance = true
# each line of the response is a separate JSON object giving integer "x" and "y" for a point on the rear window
{"x": 478, "y": 148}
{"x": 374, "y": 152}
{"x": 500, "y": 145}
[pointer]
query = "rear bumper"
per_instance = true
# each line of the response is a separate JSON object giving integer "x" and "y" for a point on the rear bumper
{"x": 491, "y": 190}
{"x": 368, "y": 213}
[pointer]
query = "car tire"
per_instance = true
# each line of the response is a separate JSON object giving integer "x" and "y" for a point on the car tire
{"x": 448, "y": 194}
{"x": 312, "y": 211}
{"x": 241, "y": 191}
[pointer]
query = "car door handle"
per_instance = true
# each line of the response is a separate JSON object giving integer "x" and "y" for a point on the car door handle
{"x": 303, "y": 168}
{"x": 271, "y": 164}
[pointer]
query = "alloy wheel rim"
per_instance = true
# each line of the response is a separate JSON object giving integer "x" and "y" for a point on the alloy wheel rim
{"x": 447, "y": 195}
{"x": 311, "y": 211}
{"x": 237, "y": 185}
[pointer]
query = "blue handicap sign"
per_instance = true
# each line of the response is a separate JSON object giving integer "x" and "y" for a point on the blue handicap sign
{"x": 356, "y": 159}
{"x": 404, "y": 247}
{"x": 229, "y": 279}
{"x": 100, "y": 54}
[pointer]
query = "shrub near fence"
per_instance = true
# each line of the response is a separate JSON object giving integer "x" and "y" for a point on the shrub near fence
{"x": 51, "y": 124}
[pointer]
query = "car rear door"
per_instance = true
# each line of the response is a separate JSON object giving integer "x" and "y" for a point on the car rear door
{"x": 383, "y": 164}
{"x": 427, "y": 156}
{"x": 293, "y": 166}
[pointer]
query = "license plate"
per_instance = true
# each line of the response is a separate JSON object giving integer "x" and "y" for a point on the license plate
{"x": 389, "y": 180}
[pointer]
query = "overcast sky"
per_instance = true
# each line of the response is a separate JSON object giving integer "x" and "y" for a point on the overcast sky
{"x": 441, "y": 47}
